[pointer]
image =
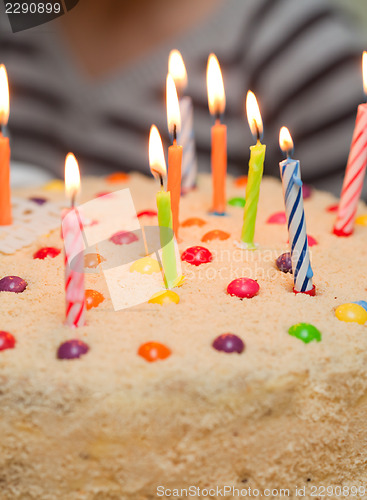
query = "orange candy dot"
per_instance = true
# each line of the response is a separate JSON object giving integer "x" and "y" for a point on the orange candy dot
{"x": 153, "y": 351}
{"x": 117, "y": 177}
{"x": 241, "y": 181}
{"x": 93, "y": 298}
{"x": 216, "y": 234}
{"x": 193, "y": 221}
{"x": 92, "y": 260}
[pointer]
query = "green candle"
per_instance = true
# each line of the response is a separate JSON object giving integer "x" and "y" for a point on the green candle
{"x": 166, "y": 237}
{"x": 255, "y": 172}
{"x": 256, "y": 168}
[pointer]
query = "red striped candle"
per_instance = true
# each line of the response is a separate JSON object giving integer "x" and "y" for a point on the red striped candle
{"x": 355, "y": 171}
{"x": 73, "y": 250}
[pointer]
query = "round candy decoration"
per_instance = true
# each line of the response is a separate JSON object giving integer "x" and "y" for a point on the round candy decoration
{"x": 38, "y": 200}
{"x": 277, "y": 218}
{"x": 154, "y": 351}
{"x": 117, "y": 177}
{"x": 244, "y": 288}
{"x": 305, "y": 332}
{"x": 72, "y": 349}
{"x": 284, "y": 263}
{"x": 102, "y": 194}
{"x": 332, "y": 208}
{"x": 44, "y": 252}
{"x": 147, "y": 213}
{"x": 361, "y": 220}
{"x": 241, "y": 181}
{"x": 123, "y": 238}
{"x": 351, "y": 313}
{"x": 92, "y": 260}
{"x": 306, "y": 191}
{"x": 7, "y": 341}
{"x": 228, "y": 342}
{"x": 93, "y": 298}
{"x": 197, "y": 255}
{"x": 13, "y": 284}
{"x": 193, "y": 221}
{"x": 164, "y": 297}
{"x": 216, "y": 234}
{"x": 146, "y": 265}
{"x": 237, "y": 201}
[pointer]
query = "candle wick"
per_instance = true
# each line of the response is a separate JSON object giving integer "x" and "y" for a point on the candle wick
{"x": 217, "y": 116}
{"x": 161, "y": 180}
{"x": 174, "y": 132}
{"x": 73, "y": 196}
{"x": 257, "y": 131}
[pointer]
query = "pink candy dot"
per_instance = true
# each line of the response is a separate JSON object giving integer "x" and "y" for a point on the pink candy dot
{"x": 311, "y": 241}
{"x": 123, "y": 238}
{"x": 243, "y": 288}
{"x": 277, "y": 218}
{"x": 332, "y": 208}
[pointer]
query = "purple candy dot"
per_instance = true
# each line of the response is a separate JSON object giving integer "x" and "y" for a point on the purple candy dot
{"x": 306, "y": 191}
{"x": 124, "y": 238}
{"x": 229, "y": 343}
{"x": 72, "y": 349}
{"x": 38, "y": 200}
{"x": 13, "y": 284}
{"x": 284, "y": 263}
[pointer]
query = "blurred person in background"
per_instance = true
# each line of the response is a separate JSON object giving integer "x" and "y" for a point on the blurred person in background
{"x": 93, "y": 82}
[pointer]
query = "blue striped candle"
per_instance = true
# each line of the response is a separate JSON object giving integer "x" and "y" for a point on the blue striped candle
{"x": 292, "y": 189}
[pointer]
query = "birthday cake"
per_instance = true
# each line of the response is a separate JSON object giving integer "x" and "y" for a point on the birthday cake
{"x": 253, "y": 394}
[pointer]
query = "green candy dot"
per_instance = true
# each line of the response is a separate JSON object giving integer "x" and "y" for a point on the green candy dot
{"x": 305, "y": 332}
{"x": 237, "y": 202}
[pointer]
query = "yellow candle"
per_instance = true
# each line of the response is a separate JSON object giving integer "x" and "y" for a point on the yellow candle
{"x": 217, "y": 103}
{"x": 5, "y": 194}
{"x": 256, "y": 167}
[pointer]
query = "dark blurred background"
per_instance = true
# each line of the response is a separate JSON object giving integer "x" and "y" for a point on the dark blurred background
{"x": 93, "y": 81}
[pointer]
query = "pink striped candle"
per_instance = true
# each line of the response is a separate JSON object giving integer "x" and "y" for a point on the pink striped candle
{"x": 356, "y": 169}
{"x": 73, "y": 250}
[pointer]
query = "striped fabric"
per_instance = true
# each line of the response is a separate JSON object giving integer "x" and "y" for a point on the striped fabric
{"x": 301, "y": 58}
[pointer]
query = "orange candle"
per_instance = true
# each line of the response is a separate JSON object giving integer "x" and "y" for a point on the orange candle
{"x": 5, "y": 200}
{"x": 174, "y": 151}
{"x": 217, "y": 103}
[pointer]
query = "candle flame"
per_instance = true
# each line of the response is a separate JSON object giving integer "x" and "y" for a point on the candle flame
{"x": 215, "y": 86}
{"x": 285, "y": 140}
{"x": 157, "y": 161}
{"x": 177, "y": 68}
{"x": 173, "y": 107}
{"x": 253, "y": 115}
{"x": 364, "y": 71}
{"x": 72, "y": 176}
{"x": 4, "y": 96}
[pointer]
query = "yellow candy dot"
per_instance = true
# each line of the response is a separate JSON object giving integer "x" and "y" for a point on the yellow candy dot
{"x": 351, "y": 313}
{"x": 54, "y": 185}
{"x": 362, "y": 220}
{"x": 164, "y": 297}
{"x": 146, "y": 265}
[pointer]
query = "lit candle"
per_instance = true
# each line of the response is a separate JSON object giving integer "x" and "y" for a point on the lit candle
{"x": 73, "y": 248}
{"x": 355, "y": 170}
{"x": 174, "y": 151}
{"x": 217, "y": 104}
{"x": 255, "y": 172}
{"x": 158, "y": 167}
{"x": 176, "y": 67}
{"x": 293, "y": 197}
{"x": 5, "y": 197}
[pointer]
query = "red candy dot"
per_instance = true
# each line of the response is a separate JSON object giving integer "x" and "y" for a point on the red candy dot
{"x": 216, "y": 234}
{"x": 153, "y": 351}
{"x": 147, "y": 213}
{"x": 311, "y": 241}
{"x": 243, "y": 288}
{"x": 44, "y": 252}
{"x": 277, "y": 218}
{"x": 193, "y": 221}
{"x": 104, "y": 193}
{"x": 241, "y": 181}
{"x": 7, "y": 341}
{"x": 117, "y": 177}
{"x": 123, "y": 238}
{"x": 332, "y": 208}
{"x": 93, "y": 298}
{"x": 197, "y": 255}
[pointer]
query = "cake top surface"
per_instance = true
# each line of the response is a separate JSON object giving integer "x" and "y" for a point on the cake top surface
{"x": 272, "y": 357}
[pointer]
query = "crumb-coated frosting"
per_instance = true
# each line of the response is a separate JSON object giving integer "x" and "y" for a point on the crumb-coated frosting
{"x": 110, "y": 425}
